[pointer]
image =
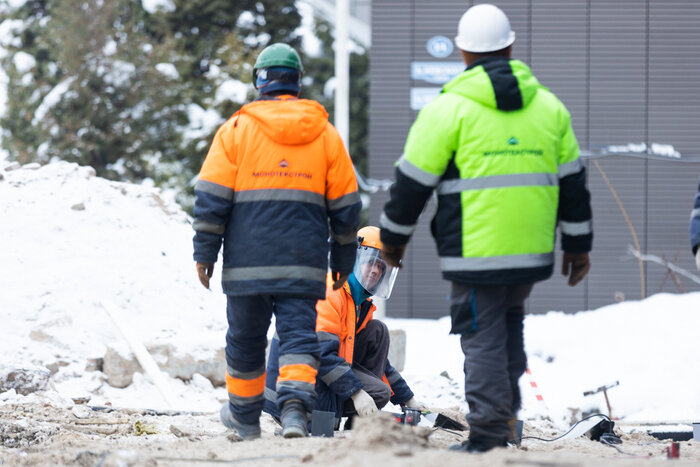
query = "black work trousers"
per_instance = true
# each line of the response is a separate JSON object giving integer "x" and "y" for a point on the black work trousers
{"x": 369, "y": 363}
{"x": 490, "y": 321}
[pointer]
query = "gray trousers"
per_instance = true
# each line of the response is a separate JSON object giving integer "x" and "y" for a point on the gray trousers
{"x": 490, "y": 321}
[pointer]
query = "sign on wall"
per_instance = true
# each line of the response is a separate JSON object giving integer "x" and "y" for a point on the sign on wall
{"x": 439, "y": 46}
{"x": 420, "y": 97}
{"x": 435, "y": 72}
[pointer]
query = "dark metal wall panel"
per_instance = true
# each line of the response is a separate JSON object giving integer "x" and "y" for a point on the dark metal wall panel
{"x": 672, "y": 189}
{"x": 389, "y": 84}
{"x": 564, "y": 70}
{"x": 615, "y": 272}
{"x": 389, "y": 115}
{"x": 674, "y": 74}
{"x": 617, "y": 109}
{"x": 674, "y": 118}
{"x": 436, "y": 17}
{"x": 617, "y": 72}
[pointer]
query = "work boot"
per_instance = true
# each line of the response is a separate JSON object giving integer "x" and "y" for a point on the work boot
{"x": 294, "y": 419}
{"x": 516, "y": 431}
{"x": 478, "y": 444}
{"x": 246, "y": 432}
{"x": 349, "y": 422}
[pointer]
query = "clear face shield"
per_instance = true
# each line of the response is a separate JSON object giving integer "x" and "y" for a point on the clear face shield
{"x": 372, "y": 272}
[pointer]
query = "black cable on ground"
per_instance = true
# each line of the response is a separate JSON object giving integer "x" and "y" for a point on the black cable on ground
{"x": 450, "y": 431}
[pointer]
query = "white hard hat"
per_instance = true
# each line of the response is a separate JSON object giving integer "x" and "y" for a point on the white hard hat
{"x": 484, "y": 28}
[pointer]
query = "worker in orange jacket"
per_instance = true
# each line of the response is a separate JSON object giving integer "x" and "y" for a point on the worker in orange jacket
{"x": 355, "y": 376}
{"x": 277, "y": 172}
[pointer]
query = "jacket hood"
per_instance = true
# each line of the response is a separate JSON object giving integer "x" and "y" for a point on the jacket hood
{"x": 288, "y": 120}
{"x": 496, "y": 82}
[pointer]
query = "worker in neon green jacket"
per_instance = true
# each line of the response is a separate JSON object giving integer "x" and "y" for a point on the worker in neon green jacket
{"x": 499, "y": 150}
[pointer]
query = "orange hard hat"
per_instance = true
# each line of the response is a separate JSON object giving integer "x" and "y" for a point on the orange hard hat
{"x": 369, "y": 236}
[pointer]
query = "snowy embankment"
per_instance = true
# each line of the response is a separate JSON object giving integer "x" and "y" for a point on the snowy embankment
{"x": 72, "y": 240}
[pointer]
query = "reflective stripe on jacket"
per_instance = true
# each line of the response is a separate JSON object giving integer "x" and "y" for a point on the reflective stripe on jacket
{"x": 275, "y": 174}
{"x": 499, "y": 150}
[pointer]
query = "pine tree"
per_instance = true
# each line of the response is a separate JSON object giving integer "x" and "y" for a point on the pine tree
{"x": 108, "y": 84}
{"x": 94, "y": 94}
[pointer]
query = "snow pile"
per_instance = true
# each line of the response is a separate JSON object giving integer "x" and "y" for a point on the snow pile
{"x": 72, "y": 240}
{"x": 650, "y": 347}
{"x": 657, "y": 149}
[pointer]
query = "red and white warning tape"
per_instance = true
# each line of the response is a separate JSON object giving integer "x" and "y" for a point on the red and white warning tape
{"x": 537, "y": 392}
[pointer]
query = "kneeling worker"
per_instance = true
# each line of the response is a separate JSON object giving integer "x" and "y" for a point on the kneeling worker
{"x": 355, "y": 376}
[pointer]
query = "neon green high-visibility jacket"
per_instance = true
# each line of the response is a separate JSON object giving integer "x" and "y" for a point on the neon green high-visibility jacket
{"x": 499, "y": 150}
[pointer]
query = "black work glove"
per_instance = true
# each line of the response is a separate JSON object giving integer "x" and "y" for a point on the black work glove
{"x": 338, "y": 279}
{"x": 393, "y": 254}
{"x": 576, "y": 266}
{"x": 205, "y": 271}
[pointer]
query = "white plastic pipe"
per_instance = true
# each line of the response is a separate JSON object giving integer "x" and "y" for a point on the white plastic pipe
{"x": 145, "y": 359}
{"x": 342, "y": 71}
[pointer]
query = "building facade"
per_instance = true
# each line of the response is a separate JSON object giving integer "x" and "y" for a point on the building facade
{"x": 627, "y": 70}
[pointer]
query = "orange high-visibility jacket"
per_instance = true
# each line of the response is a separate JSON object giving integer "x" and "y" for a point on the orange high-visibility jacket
{"x": 276, "y": 173}
{"x": 337, "y": 317}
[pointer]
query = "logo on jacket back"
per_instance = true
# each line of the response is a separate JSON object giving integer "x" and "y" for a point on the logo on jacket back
{"x": 283, "y": 173}
{"x": 513, "y": 151}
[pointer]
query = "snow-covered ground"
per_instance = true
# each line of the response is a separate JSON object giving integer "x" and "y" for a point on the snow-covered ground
{"x": 72, "y": 241}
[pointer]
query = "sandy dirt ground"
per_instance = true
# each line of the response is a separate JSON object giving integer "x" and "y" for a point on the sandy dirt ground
{"x": 33, "y": 434}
